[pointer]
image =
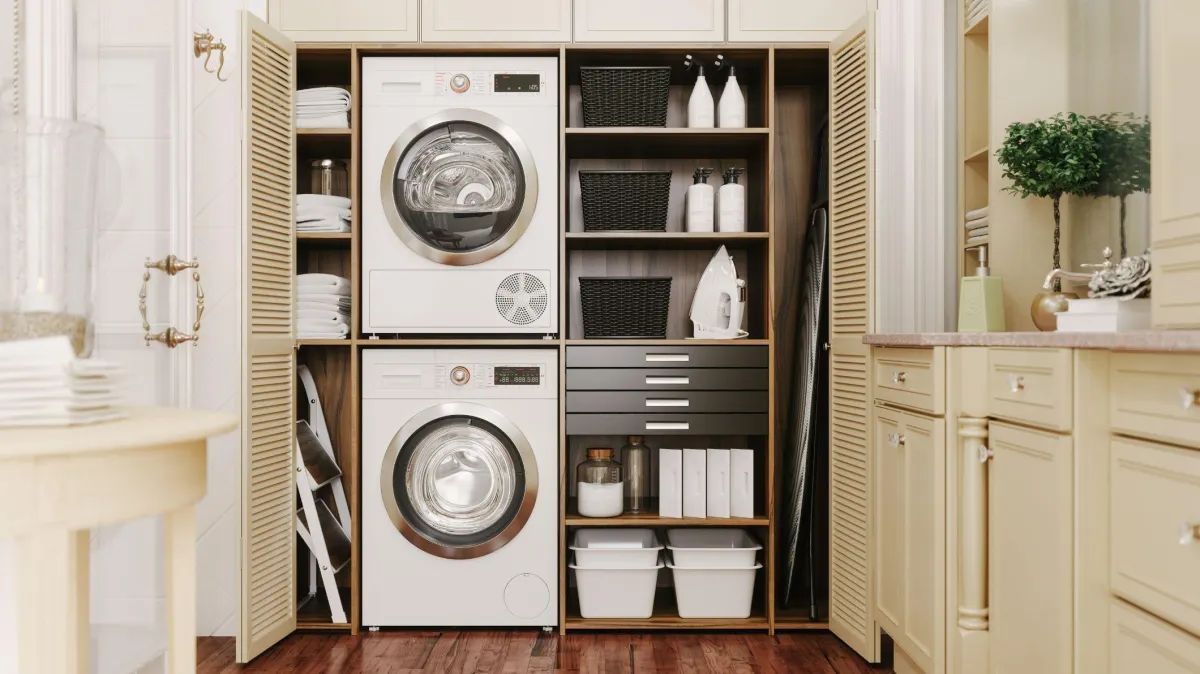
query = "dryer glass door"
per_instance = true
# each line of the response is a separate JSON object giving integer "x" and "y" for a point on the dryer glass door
{"x": 459, "y": 187}
{"x": 460, "y": 485}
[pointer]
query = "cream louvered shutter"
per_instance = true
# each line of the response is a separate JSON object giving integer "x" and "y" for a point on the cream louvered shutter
{"x": 268, "y": 537}
{"x": 851, "y": 596}
{"x": 1175, "y": 144}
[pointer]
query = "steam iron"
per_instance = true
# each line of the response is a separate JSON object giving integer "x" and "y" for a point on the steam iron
{"x": 719, "y": 305}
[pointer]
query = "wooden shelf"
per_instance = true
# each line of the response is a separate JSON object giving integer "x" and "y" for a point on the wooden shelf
{"x": 324, "y": 342}
{"x": 324, "y": 132}
{"x": 324, "y": 236}
{"x": 642, "y": 240}
{"x": 458, "y": 342}
{"x": 667, "y": 342}
{"x": 977, "y": 155}
{"x": 653, "y": 520}
{"x": 665, "y": 616}
{"x": 979, "y": 27}
{"x": 659, "y": 142}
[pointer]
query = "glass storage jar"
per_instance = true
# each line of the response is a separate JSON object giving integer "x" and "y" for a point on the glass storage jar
{"x": 598, "y": 484}
{"x": 635, "y": 459}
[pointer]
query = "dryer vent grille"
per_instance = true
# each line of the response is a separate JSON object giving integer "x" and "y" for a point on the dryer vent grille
{"x": 522, "y": 298}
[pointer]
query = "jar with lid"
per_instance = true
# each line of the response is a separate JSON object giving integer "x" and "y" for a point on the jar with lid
{"x": 635, "y": 458}
{"x": 598, "y": 484}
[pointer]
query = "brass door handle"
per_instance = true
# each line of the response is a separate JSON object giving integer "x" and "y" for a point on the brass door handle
{"x": 172, "y": 337}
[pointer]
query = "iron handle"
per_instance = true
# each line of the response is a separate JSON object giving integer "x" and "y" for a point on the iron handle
{"x": 680, "y": 381}
{"x": 172, "y": 337}
{"x": 667, "y": 358}
{"x": 667, "y": 402}
{"x": 667, "y": 425}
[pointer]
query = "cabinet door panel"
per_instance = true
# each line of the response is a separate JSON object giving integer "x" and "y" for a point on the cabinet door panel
{"x": 491, "y": 21}
{"x": 890, "y": 502}
{"x": 1030, "y": 568}
{"x": 346, "y": 20}
{"x": 791, "y": 20}
{"x": 639, "y": 21}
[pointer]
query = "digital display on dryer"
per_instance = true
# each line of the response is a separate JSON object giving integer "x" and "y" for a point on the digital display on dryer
{"x": 516, "y": 83}
{"x": 518, "y": 376}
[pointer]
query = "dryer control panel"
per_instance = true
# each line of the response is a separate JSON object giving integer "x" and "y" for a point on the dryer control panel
{"x": 484, "y": 83}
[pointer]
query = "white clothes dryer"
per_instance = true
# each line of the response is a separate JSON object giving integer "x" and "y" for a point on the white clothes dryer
{"x": 459, "y": 487}
{"x": 460, "y": 195}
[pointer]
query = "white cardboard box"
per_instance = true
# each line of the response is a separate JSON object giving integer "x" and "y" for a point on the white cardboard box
{"x": 718, "y": 483}
{"x": 670, "y": 483}
{"x": 741, "y": 483}
{"x": 695, "y": 463}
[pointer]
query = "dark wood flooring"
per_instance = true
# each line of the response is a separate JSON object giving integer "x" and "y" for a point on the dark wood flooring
{"x": 535, "y": 651}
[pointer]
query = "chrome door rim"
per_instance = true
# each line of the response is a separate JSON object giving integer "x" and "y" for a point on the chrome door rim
{"x": 414, "y": 535}
{"x": 418, "y": 245}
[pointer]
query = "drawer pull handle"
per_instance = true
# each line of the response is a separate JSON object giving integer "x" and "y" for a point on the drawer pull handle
{"x": 667, "y": 358}
{"x": 1016, "y": 383}
{"x": 667, "y": 402}
{"x": 1189, "y": 533}
{"x": 1189, "y": 398}
{"x": 899, "y": 377}
{"x": 896, "y": 439}
{"x": 667, "y": 425}
{"x": 674, "y": 381}
{"x": 984, "y": 454}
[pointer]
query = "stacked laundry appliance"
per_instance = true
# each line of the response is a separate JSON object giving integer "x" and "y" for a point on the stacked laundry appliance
{"x": 322, "y": 306}
{"x": 323, "y": 108}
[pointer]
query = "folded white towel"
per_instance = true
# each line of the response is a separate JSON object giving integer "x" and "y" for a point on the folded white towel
{"x": 976, "y": 224}
{"x": 327, "y": 300}
{"x": 321, "y": 329}
{"x": 323, "y": 315}
{"x": 306, "y": 213}
{"x": 322, "y": 201}
{"x": 304, "y": 303}
{"x": 337, "y": 120}
{"x": 322, "y": 283}
{"x": 977, "y": 238}
{"x": 322, "y": 93}
{"x": 323, "y": 226}
{"x": 977, "y": 213}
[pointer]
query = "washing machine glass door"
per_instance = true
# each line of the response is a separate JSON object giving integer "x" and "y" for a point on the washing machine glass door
{"x": 459, "y": 480}
{"x": 459, "y": 187}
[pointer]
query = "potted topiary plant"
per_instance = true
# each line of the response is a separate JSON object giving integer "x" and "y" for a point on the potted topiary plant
{"x": 1050, "y": 158}
{"x": 1125, "y": 161}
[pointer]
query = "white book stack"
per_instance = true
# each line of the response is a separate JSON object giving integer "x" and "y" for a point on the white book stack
{"x": 43, "y": 383}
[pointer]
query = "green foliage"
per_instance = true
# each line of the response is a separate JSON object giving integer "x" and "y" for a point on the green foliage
{"x": 1125, "y": 155}
{"x": 1052, "y": 157}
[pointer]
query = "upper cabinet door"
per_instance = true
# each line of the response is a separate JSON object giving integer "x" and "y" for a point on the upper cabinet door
{"x": 346, "y": 20}
{"x": 641, "y": 21}
{"x": 491, "y": 21}
{"x": 1174, "y": 144}
{"x": 791, "y": 20}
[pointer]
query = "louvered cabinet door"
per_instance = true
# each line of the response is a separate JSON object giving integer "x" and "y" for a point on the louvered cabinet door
{"x": 851, "y": 594}
{"x": 1174, "y": 144}
{"x": 268, "y": 537}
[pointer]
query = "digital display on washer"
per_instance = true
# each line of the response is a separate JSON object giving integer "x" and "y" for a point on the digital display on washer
{"x": 516, "y": 83}
{"x": 518, "y": 376}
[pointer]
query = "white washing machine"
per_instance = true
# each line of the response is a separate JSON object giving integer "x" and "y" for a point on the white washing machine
{"x": 460, "y": 194}
{"x": 459, "y": 487}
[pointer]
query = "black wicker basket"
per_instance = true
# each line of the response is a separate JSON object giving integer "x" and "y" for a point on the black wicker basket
{"x": 624, "y": 307}
{"x": 624, "y": 96}
{"x": 625, "y": 200}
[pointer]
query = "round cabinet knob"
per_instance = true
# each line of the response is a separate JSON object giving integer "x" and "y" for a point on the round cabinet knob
{"x": 1016, "y": 383}
{"x": 1189, "y": 533}
{"x": 460, "y": 375}
{"x": 460, "y": 83}
{"x": 899, "y": 377}
{"x": 1188, "y": 398}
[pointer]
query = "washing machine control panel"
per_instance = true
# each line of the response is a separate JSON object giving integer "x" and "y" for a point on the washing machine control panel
{"x": 485, "y": 83}
{"x": 473, "y": 377}
{"x": 517, "y": 375}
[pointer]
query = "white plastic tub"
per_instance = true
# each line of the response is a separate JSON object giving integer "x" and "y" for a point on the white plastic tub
{"x": 714, "y": 592}
{"x": 616, "y": 593}
{"x": 712, "y": 548}
{"x": 616, "y": 548}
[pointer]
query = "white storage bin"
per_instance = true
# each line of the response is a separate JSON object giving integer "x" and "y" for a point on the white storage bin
{"x": 712, "y": 548}
{"x": 714, "y": 592}
{"x": 616, "y": 548}
{"x": 616, "y": 593}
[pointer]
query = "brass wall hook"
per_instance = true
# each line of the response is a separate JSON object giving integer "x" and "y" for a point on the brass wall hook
{"x": 206, "y": 43}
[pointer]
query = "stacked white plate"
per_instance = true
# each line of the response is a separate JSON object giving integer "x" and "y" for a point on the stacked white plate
{"x": 616, "y": 571}
{"x": 714, "y": 571}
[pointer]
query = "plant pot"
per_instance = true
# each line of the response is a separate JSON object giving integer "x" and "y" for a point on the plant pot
{"x": 1046, "y": 305}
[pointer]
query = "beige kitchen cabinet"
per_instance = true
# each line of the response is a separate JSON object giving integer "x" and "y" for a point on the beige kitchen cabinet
{"x": 640, "y": 21}
{"x": 1030, "y": 541}
{"x": 791, "y": 20}
{"x": 346, "y": 20}
{"x": 490, "y": 21}
{"x": 910, "y": 487}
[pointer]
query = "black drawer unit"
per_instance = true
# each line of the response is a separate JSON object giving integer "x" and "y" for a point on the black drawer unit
{"x": 667, "y": 356}
{"x": 666, "y": 424}
{"x": 669, "y": 402}
{"x": 656, "y": 379}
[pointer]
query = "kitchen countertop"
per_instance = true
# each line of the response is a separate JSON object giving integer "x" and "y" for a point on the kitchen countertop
{"x": 1142, "y": 340}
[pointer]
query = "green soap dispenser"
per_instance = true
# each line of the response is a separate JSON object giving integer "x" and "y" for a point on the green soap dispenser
{"x": 981, "y": 300}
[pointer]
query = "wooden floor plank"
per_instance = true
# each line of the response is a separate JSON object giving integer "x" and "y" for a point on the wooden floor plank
{"x": 402, "y": 652}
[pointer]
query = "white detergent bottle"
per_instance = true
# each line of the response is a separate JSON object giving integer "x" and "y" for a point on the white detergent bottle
{"x": 700, "y": 202}
{"x": 731, "y": 111}
{"x": 731, "y": 203}
{"x": 700, "y": 113}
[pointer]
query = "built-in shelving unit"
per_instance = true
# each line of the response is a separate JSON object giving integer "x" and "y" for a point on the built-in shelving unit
{"x": 974, "y": 102}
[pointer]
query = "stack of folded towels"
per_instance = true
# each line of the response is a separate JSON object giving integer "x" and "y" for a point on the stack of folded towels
{"x": 43, "y": 383}
{"x": 322, "y": 213}
{"x": 323, "y": 108}
{"x": 977, "y": 226}
{"x": 322, "y": 306}
{"x": 975, "y": 10}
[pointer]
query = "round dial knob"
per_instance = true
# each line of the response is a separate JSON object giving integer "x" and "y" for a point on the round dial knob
{"x": 460, "y": 83}
{"x": 460, "y": 375}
